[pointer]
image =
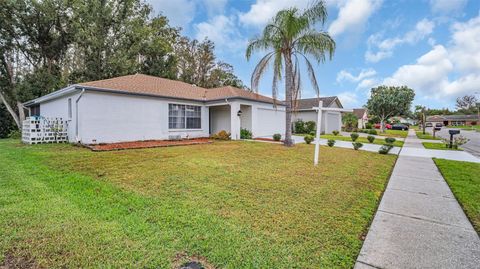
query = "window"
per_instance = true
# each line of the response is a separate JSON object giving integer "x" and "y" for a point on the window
{"x": 184, "y": 117}
{"x": 69, "y": 108}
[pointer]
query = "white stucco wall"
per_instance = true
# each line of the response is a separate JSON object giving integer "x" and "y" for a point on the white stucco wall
{"x": 58, "y": 108}
{"x": 219, "y": 118}
{"x": 330, "y": 120}
{"x": 108, "y": 117}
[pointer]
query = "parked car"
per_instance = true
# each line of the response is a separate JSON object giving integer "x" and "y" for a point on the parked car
{"x": 377, "y": 126}
{"x": 439, "y": 125}
{"x": 428, "y": 124}
{"x": 399, "y": 126}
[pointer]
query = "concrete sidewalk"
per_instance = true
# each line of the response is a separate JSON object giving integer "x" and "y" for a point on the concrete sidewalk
{"x": 419, "y": 223}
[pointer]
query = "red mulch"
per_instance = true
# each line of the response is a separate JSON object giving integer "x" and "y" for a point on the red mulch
{"x": 148, "y": 144}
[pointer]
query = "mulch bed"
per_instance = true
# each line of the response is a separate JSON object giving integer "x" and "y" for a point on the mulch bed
{"x": 148, "y": 144}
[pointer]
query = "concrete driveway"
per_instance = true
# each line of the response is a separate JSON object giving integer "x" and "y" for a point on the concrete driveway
{"x": 473, "y": 146}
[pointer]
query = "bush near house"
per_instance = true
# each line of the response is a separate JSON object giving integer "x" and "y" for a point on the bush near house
{"x": 368, "y": 125}
{"x": 308, "y": 139}
{"x": 310, "y": 127}
{"x": 384, "y": 149}
{"x": 390, "y": 140}
{"x": 245, "y": 134}
{"x": 331, "y": 142}
{"x": 222, "y": 135}
{"x": 372, "y": 132}
{"x": 371, "y": 138}
{"x": 354, "y": 136}
{"x": 357, "y": 145}
{"x": 299, "y": 127}
{"x": 335, "y": 132}
{"x": 277, "y": 137}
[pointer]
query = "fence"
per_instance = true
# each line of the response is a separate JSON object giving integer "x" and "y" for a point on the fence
{"x": 38, "y": 130}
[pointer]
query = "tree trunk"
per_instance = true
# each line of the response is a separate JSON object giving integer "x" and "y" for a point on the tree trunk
{"x": 288, "y": 99}
{"x": 382, "y": 125}
{"x": 11, "y": 111}
{"x": 21, "y": 113}
{"x": 423, "y": 122}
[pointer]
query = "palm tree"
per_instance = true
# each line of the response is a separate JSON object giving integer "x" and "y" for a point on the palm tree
{"x": 290, "y": 37}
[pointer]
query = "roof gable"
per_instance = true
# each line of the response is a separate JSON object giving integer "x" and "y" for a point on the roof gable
{"x": 309, "y": 103}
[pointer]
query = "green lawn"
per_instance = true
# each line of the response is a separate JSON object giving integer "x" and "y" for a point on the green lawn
{"x": 440, "y": 146}
{"x": 463, "y": 179}
{"x": 464, "y": 127}
{"x": 360, "y": 139}
{"x": 229, "y": 204}
{"x": 394, "y": 133}
{"x": 427, "y": 135}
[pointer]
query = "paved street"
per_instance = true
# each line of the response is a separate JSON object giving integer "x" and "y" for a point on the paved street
{"x": 473, "y": 146}
{"x": 419, "y": 223}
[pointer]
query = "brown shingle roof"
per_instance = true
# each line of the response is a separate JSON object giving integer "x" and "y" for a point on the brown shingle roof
{"x": 313, "y": 102}
{"x": 144, "y": 84}
{"x": 359, "y": 112}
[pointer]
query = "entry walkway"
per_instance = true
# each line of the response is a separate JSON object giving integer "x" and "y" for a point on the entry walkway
{"x": 419, "y": 223}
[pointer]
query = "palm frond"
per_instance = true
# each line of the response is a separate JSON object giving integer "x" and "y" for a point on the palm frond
{"x": 260, "y": 70}
{"x": 316, "y": 44}
{"x": 277, "y": 74}
{"x": 256, "y": 44}
{"x": 317, "y": 12}
{"x": 311, "y": 75}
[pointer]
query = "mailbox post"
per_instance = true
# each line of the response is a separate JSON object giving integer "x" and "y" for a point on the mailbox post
{"x": 452, "y": 133}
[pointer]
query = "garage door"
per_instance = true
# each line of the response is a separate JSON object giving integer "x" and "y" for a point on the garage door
{"x": 333, "y": 122}
{"x": 269, "y": 122}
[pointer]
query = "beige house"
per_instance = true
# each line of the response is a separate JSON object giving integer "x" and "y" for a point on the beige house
{"x": 331, "y": 120}
{"x": 362, "y": 116}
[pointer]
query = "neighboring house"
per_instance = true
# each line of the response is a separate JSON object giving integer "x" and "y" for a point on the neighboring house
{"x": 361, "y": 114}
{"x": 331, "y": 120}
{"x": 403, "y": 120}
{"x": 140, "y": 107}
{"x": 454, "y": 120}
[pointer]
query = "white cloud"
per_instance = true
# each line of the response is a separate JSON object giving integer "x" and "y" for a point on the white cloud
{"x": 179, "y": 12}
{"x": 263, "y": 10}
{"x": 446, "y": 72}
{"x": 364, "y": 73}
{"x": 215, "y": 7}
{"x": 353, "y": 15}
{"x": 385, "y": 47}
{"x": 222, "y": 31}
{"x": 348, "y": 99}
{"x": 447, "y": 6}
{"x": 368, "y": 83}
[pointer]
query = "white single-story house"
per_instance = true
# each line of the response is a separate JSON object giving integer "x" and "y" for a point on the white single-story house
{"x": 140, "y": 107}
{"x": 362, "y": 116}
{"x": 331, "y": 114}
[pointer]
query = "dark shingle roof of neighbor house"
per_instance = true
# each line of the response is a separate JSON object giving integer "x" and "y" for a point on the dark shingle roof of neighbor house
{"x": 308, "y": 103}
{"x": 150, "y": 85}
{"x": 452, "y": 117}
{"x": 359, "y": 112}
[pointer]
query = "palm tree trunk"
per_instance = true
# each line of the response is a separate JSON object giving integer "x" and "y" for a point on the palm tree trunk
{"x": 11, "y": 111}
{"x": 288, "y": 99}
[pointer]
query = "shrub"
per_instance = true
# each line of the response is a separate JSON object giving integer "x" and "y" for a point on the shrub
{"x": 245, "y": 134}
{"x": 15, "y": 134}
{"x": 365, "y": 131}
{"x": 330, "y": 142}
{"x": 368, "y": 125}
{"x": 308, "y": 139}
{"x": 222, "y": 135}
{"x": 384, "y": 149}
{"x": 313, "y": 133}
{"x": 277, "y": 137}
{"x": 372, "y": 132}
{"x": 390, "y": 140}
{"x": 371, "y": 138}
{"x": 354, "y": 136}
{"x": 350, "y": 121}
{"x": 309, "y": 127}
{"x": 299, "y": 127}
{"x": 335, "y": 132}
{"x": 357, "y": 145}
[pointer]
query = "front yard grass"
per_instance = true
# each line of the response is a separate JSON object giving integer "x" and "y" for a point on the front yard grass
{"x": 439, "y": 146}
{"x": 463, "y": 179}
{"x": 427, "y": 135}
{"x": 233, "y": 204}
{"x": 394, "y": 133}
{"x": 360, "y": 139}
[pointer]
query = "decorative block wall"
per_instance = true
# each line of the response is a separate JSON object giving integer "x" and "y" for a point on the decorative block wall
{"x": 38, "y": 130}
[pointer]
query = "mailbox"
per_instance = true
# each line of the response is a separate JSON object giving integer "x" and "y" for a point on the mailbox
{"x": 453, "y": 132}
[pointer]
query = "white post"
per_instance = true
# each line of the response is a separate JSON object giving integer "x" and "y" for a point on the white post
{"x": 317, "y": 135}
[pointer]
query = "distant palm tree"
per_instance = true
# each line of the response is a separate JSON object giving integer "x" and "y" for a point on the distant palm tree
{"x": 290, "y": 37}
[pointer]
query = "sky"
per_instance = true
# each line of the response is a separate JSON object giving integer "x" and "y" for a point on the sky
{"x": 432, "y": 46}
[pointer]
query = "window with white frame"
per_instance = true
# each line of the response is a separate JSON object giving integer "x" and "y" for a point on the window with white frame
{"x": 184, "y": 117}
{"x": 69, "y": 108}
